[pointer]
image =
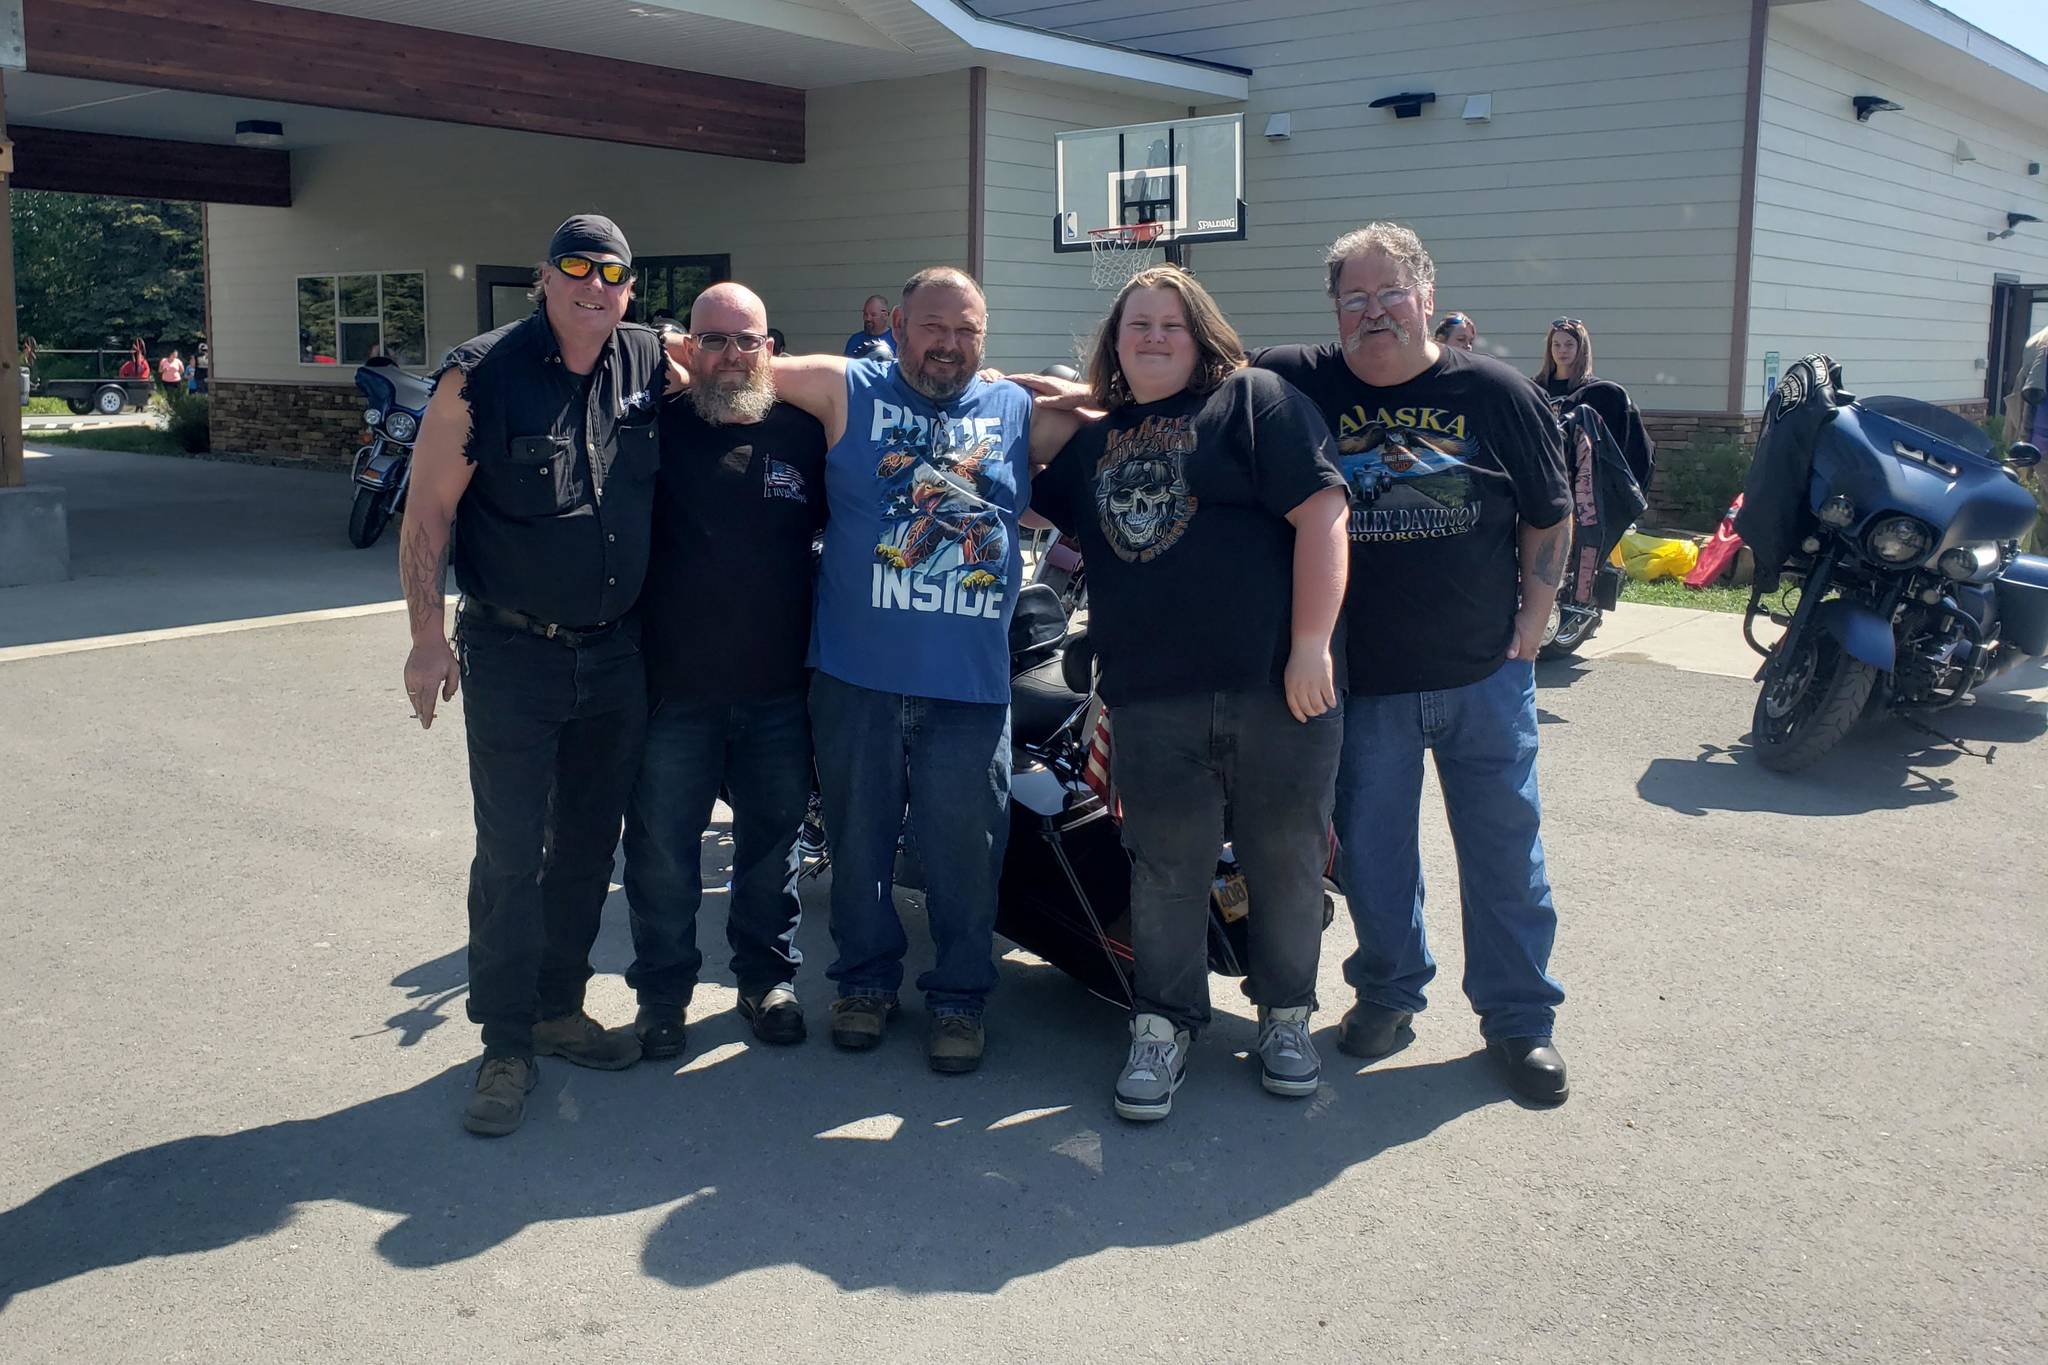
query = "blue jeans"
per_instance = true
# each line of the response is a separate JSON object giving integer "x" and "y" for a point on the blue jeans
{"x": 760, "y": 751}
{"x": 1484, "y": 738}
{"x": 950, "y": 762}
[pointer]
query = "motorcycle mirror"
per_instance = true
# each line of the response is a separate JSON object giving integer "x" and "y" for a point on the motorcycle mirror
{"x": 2023, "y": 455}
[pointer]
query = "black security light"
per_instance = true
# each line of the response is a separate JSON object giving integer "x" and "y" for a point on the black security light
{"x": 1407, "y": 104}
{"x": 1866, "y": 105}
{"x": 2012, "y": 225}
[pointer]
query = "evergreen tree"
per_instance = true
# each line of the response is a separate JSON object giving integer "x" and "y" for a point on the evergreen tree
{"x": 88, "y": 267}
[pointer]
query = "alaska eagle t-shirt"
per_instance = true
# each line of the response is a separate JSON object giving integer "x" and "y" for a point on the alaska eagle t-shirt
{"x": 1181, "y": 510}
{"x": 1441, "y": 472}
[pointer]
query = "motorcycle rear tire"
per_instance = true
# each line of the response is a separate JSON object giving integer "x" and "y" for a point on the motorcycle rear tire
{"x": 1839, "y": 688}
{"x": 368, "y": 517}
{"x": 1571, "y": 636}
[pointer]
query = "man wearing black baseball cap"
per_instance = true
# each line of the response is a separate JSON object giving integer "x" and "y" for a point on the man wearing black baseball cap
{"x": 540, "y": 447}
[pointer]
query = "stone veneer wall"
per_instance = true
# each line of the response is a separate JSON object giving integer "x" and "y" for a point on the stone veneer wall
{"x": 299, "y": 425}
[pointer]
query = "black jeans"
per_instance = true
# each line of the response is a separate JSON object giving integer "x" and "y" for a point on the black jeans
{"x": 554, "y": 742}
{"x": 760, "y": 751}
{"x": 1193, "y": 771}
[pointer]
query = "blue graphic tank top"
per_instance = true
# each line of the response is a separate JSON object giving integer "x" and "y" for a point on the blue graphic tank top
{"x": 921, "y": 563}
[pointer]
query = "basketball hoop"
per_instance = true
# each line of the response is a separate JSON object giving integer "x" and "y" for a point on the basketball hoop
{"x": 1115, "y": 254}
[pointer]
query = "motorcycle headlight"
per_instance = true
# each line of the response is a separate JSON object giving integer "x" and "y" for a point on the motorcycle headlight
{"x": 1899, "y": 540}
{"x": 1967, "y": 562}
{"x": 1838, "y": 510}
{"x": 400, "y": 425}
{"x": 372, "y": 416}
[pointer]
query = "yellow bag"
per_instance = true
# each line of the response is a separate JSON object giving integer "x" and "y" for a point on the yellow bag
{"x": 1649, "y": 558}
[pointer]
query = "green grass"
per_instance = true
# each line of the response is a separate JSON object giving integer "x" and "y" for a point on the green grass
{"x": 1669, "y": 592}
{"x": 141, "y": 440}
{"x": 40, "y": 406}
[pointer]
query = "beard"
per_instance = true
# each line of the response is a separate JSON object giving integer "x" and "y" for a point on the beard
{"x": 939, "y": 389}
{"x": 743, "y": 404}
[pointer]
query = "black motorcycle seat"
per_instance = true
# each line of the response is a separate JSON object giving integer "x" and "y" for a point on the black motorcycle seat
{"x": 1039, "y": 702}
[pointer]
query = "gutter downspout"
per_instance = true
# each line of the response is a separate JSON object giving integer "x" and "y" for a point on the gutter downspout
{"x": 1745, "y": 217}
{"x": 977, "y": 170}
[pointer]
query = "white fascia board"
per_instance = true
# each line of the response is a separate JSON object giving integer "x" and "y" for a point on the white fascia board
{"x": 1965, "y": 37}
{"x": 804, "y": 21}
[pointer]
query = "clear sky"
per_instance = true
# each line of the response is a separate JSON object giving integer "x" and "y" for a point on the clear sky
{"x": 2023, "y": 23}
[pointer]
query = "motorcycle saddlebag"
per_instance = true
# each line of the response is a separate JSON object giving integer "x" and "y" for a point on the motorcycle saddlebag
{"x": 2023, "y": 605}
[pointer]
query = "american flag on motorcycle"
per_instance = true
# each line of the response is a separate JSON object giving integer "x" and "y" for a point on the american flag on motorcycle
{"x": 1097, "y": 774}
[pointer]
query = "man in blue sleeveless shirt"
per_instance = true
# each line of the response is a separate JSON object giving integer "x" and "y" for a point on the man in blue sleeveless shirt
{"x": 928, "y": 468}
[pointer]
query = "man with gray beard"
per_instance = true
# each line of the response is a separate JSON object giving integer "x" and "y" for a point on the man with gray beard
{"x": 727, "y": 612}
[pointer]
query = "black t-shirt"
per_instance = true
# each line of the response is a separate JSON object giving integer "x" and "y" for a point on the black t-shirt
{"x": 1441, "y": 470}
{"x": 726, "y": 614}
{"x": 1181, "y": 510}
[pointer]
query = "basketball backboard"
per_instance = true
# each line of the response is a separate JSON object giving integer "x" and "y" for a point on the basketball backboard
{"x": 1182, "y": 180}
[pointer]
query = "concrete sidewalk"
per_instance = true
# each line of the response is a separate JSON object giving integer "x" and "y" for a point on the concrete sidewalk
{"x": 1711, "y": 642}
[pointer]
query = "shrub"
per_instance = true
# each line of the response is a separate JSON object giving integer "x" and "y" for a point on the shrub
{"x": 1699, "y": 483}
{"x": 187, "y": 422}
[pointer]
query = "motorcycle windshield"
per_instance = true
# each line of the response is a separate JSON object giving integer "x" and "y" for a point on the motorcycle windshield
{"x": 1939, "y": 423}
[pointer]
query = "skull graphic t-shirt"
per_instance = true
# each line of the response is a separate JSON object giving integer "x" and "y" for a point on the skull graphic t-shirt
{"x": 1181, "y": 510}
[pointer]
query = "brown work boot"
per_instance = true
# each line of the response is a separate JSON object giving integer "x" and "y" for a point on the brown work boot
{"x": 858, "y": 1020}
{"x": 955, "y": 1043}
{"x": 581, "y": 1039}
{"x": 498, "y": 1103}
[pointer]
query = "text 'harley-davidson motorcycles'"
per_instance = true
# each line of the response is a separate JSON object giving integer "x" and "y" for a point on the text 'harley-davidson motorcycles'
{"x": 1900, "y": 529}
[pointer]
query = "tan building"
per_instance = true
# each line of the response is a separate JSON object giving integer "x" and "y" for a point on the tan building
{"x": 1688, "y": 176}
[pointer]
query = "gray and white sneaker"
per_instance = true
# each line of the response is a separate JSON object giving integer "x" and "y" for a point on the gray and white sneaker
{"x": 1158, "y": 1063}
{"x": 1288, "y": 1064}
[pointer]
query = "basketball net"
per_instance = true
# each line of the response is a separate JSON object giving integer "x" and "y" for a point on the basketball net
{"x": 1115, "y": 254}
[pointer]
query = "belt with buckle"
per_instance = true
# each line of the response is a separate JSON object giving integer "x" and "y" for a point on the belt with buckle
{"x": 533, "y": 625}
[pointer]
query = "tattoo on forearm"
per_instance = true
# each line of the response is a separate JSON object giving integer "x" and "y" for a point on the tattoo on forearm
{"x": 1547, "y": 563}
{"x": 420, "y": 565}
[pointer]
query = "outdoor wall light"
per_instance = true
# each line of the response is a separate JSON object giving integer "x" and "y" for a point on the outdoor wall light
{"x": 259, "y": 132}
{"x": 1407, "y": 104}
{"x": 2012, "y": 225}
{"x": 1866, "y": 105}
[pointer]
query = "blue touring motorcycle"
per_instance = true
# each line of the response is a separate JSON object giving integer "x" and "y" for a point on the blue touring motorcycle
{"x": 1901, "y": 529}
{"x": 394, "y": 405}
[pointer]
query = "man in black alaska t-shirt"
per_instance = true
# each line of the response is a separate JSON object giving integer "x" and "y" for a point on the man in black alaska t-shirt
{"x": 726, "y": 624}
{"x": 1459, "y": 536}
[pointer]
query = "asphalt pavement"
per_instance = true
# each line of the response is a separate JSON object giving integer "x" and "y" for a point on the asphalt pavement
{"x": 1804, "y": 1027}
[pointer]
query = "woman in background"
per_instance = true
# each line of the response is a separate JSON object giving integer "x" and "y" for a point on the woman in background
{"x": 1457, "y": 329}
{"x": 1567, "y": 377}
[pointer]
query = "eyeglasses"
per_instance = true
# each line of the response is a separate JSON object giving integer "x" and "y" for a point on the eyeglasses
{"x": 746, "y": 343}
{"x": 1455, "y": 320}
{"x": 1389, "y": 300}
{"x": 613, "y": 273}
{"x": 1570, "y": 323}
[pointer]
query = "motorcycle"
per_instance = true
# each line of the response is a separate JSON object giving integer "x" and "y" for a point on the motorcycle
{"x": 1900, "y": 529}
{"x": 381, "y": 469}
{"x": 1606, "y": 500}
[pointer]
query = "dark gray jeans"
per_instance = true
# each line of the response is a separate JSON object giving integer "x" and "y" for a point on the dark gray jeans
{"x": 1193, "y": 771}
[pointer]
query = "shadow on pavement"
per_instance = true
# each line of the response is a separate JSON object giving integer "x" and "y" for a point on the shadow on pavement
{"x": 1885, "y": 764}
{"x": 866, "y": 1168}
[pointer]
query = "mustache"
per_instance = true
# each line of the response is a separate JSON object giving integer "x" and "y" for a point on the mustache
{"x": 1357, "y": 338}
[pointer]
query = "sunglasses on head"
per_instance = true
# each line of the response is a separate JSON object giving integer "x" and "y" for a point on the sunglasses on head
{"x": 746, "y": 343}
{"x": 1557, "y": 323}
{"x": 1455, "y": 320}
{"x": 613, "y": 273}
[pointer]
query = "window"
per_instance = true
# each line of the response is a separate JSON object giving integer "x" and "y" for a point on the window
{"x": 672, "y": 283}
{"x": 345, "y": 319}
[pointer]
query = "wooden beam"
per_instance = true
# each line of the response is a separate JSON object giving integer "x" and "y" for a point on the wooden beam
{"x": 271, "y": 52}
{"x": 13, "y": 472}
{"x": 149, "y": 168}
